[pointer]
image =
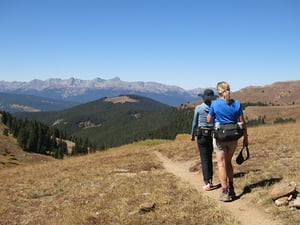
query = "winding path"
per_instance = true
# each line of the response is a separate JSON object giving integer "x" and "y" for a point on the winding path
{"x": 245, "y": 212}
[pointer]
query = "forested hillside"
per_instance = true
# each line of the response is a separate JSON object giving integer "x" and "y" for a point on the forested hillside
{"x": 110, "y": 122}
{"x": 36, "y": 137}
{"x": 12, "y": 103}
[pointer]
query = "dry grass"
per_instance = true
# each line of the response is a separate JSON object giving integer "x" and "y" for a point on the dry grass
{"x": 109, "y": 187}
{"x": 274, "y": 158}
{"x": 11, "y": 154}
{"x": 271, "y": 113}
{"x": 103, "y": 188}
{"x": 278, "y": 93}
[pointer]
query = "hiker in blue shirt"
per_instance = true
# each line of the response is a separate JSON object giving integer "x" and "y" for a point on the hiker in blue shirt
{"x": 226, "y": 110}
{"x": 203, "y": 131}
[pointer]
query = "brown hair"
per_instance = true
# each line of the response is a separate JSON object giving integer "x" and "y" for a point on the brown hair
{"x": 223, "y": 89}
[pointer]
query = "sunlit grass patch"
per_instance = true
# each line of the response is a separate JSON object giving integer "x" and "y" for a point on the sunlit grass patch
{"x": 103, "y": 188}
{"x": 274, "y": 158}
{"x": 109, "y": 187}
{"x": 152, "y": 142}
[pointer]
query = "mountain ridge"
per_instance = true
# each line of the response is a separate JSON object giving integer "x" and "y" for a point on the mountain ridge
{"x": 78, "y": 90}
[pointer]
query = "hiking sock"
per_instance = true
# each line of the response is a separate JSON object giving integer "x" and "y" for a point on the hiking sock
{"x": 225, "y": 190}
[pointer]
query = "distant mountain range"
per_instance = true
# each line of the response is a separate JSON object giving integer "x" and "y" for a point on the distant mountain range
{"x": 82, "y": 91}
{"x": 58, "y": 94}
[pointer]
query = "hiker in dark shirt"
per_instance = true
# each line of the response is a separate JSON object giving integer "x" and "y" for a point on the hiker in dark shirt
{"x": 203, "y": 131}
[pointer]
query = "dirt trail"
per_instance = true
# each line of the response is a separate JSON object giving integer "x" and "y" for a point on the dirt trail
{"x": 245, "y": 212}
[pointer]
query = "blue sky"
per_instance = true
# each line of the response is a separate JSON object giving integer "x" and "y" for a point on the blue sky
{"x": 187, "y": 43}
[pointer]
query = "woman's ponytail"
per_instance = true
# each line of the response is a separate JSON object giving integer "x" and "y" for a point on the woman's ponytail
{"x": 223, "y": 89}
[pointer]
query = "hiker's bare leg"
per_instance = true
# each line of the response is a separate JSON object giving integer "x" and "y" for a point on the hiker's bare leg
{"x": 228, "y": 165}
{"x": 222, "y": 168}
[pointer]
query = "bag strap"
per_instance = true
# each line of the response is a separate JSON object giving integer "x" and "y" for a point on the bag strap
{"x": 240, "y": 158}
{"x": 247, "y": 151}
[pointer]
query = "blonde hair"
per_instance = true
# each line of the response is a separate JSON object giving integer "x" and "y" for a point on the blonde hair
{"x": 223, "y": 89}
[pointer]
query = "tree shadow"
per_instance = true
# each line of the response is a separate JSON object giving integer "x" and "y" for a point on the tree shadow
{"x": 267, "y": 182}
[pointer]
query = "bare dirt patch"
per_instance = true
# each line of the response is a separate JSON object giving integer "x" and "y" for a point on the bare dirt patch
{"x": 120, "y": 99}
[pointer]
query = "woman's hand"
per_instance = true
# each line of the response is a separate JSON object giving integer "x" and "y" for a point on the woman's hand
{"x": 245, "y": 141}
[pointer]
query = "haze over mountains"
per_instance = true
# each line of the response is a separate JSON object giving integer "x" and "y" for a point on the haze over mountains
{"x": 59, "y": 94}
{"x": 77, "y": 90}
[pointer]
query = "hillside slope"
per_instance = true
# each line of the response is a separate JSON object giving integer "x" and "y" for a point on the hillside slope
{"x": 112, "y": 187}
{"x": 271, "y": 113}
{"x": 11, "y": 154}
{"x": 115, "y": 121}
{"x": 30, "y": 103}
{"x": 278, "y": 93}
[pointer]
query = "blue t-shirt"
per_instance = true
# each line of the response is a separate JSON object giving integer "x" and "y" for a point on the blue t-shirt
{"x": 224, "y": 112}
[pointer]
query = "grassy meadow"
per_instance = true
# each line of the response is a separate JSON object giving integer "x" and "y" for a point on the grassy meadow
{"x": 109, "y": 187}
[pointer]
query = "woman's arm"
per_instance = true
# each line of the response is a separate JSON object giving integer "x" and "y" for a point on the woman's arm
{"x": 194, "y": 124}
{"x": 245, "y": 141}
{"x": 210, "y": 119}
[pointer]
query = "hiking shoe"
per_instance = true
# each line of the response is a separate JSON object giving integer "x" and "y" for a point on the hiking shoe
{"x": 224, "y": 197}
{"x": 208, "y": 187}
{"x": 231, "y": 193}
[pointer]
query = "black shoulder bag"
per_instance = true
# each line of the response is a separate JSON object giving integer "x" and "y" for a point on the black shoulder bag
{"x": 228, "y": 132}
